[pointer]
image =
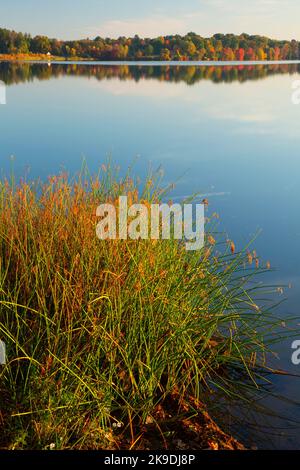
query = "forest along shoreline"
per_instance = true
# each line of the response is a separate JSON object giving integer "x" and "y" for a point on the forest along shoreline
{"x": 191, "y": 47}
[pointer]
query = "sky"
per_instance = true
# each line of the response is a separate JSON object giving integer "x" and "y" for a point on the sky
{"x": 76, "y": 19}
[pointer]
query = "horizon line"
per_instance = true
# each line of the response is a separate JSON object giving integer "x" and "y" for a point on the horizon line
{"x": 115, "y": 38}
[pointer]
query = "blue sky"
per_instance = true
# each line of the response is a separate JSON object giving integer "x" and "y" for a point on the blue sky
{"x": 74, "y": 19}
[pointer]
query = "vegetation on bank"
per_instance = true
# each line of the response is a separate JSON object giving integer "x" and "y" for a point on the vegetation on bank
{"x": 33, "y": 57}
{"x": 174, "y": 47}
{"x": 120, "y": 344}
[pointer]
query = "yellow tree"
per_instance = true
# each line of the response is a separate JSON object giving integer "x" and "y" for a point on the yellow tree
{"x": 261, "y": 55}
{"x": 165, "y": 54}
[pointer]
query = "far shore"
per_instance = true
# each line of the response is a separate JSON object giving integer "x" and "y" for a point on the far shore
{"x": 44, "y": 58}
{"x": 36, "y": 57}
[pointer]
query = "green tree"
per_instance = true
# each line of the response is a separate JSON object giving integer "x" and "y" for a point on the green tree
{"x": 40, "y": 44}
{"x": 165, "y": 54}
{"x": 22, "y": 44}
{"x": 149, "y": 50}
{"x": 191, "y": 49}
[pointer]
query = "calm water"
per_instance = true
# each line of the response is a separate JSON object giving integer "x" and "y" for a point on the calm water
{"x": 230, "y": 132}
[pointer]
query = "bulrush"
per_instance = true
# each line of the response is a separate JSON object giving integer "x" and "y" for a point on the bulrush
{"x": 99, "y": 332}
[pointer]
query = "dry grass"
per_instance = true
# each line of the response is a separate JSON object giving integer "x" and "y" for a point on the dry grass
{"x": 101, "y": 334}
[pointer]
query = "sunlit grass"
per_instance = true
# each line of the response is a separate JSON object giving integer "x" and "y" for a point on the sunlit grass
{"x": 100, "y": 333}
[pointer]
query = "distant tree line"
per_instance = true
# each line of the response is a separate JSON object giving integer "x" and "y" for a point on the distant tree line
{"x": 189, "y": 47}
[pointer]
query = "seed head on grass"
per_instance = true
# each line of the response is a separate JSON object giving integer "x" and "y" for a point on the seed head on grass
{"x": 105, "y": 332}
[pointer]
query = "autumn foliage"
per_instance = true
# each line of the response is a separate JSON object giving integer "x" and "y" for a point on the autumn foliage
{"x": 175, "y": 47}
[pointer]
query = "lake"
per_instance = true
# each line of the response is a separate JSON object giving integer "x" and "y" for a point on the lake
{"x": 229, "y": 131}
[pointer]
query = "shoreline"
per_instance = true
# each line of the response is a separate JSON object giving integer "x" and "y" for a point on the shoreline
{"x": 43, "y": 58}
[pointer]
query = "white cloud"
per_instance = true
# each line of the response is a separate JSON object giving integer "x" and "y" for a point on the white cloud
{"x": 274, "y": 18}
{"x": 150, "y": 88}
{"x": 144, "y": 27}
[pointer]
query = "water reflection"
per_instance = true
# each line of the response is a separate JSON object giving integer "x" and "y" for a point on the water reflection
{"x": 13, "y": 73}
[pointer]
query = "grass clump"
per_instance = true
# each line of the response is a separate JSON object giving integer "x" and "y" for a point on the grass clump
{"x": 103, "y": 336}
